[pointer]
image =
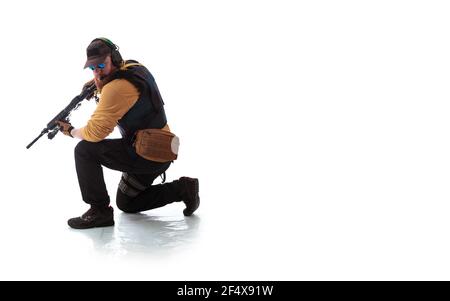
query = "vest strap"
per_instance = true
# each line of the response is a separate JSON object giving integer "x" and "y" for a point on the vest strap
{"x": 126, "y": 66}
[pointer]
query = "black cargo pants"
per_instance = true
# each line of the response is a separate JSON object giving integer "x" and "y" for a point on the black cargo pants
{"x": 116, "y": 154}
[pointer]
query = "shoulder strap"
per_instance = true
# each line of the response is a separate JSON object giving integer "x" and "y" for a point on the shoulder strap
{"x": 126, "y": 66}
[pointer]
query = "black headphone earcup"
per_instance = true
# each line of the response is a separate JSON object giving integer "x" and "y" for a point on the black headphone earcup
{"x": 116, "y": 58}
{"x": 113, "y": 58}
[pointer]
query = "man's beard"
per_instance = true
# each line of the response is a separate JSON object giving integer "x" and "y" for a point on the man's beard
{"x": 103, "y": 80}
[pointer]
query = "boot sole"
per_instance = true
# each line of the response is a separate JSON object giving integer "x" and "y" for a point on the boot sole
{"x": 105, "y": 224}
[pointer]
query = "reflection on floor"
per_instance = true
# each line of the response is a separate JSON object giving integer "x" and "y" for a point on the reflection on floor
{"x": 143, "y": 233}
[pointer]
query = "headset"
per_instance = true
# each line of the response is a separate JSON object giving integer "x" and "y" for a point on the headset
{"x": 116, "y": 57}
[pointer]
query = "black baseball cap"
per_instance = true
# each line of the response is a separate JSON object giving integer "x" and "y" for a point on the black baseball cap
{"x": 97, "y": 51}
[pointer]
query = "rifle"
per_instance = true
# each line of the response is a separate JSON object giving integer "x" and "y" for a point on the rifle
{"x": 52, "y": 127}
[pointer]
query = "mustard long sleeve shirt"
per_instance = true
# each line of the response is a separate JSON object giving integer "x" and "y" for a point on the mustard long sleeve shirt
{"x": 116, "y": 99}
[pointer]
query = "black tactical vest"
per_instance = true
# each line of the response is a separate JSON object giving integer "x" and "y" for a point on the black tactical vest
{"x": 148, "y": 111}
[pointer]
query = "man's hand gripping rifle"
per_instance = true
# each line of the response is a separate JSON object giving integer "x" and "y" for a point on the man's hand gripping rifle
{"x": 52, "y": 127}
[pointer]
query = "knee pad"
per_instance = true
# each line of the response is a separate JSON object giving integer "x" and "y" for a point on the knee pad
{"x": 130, "y": 186}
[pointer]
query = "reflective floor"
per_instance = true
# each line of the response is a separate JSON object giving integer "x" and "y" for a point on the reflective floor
{"x": 143, "y": 233}
{"x": 258, "y": 228}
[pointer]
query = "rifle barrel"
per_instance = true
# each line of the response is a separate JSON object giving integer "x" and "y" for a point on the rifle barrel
{"x": 37, "y": 138}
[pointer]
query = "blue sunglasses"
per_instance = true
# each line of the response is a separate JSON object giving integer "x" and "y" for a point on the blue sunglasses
{"x": 99, "y": 66}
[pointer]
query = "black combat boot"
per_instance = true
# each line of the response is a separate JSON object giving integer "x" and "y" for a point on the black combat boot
{"x": 94, "y": 217}
{"x": 189, "y": 194}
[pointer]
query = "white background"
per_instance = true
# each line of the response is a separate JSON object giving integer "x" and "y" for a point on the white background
{"x": 318, "y": 130}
